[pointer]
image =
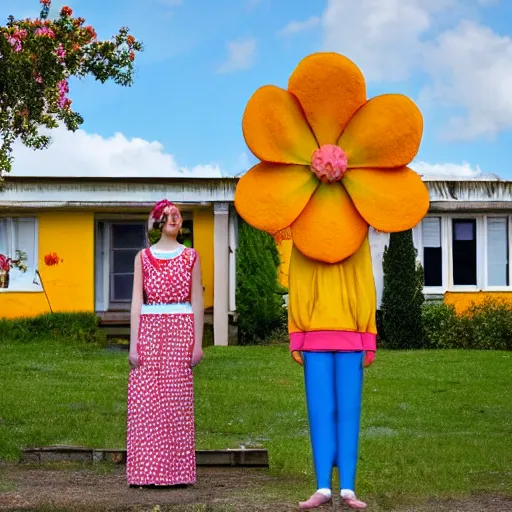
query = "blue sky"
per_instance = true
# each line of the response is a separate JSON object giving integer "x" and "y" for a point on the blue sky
{"x": 203, "y": 59}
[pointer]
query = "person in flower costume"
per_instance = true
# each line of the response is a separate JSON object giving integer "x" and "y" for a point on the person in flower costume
{"x": 332, "y": 164}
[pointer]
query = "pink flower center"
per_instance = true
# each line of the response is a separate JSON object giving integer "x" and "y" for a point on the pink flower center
{"x": 329, "y": 163}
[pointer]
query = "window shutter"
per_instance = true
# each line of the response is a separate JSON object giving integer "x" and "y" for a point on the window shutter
{"x": 497, "y": 251}
{"x": 431, "y": 232}
{"x": 25, "y": 229}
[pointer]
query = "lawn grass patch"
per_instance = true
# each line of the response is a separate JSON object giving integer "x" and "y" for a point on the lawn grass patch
{"x": 434, "y": 424}
{"x": 75, "y": 328}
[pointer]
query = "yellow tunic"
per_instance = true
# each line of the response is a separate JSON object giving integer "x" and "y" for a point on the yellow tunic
{"x": 332, "y": 306}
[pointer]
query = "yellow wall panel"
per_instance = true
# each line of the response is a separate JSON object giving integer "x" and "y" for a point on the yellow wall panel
{"x": 203, "y": 244}
{"x": 463, "y": 300}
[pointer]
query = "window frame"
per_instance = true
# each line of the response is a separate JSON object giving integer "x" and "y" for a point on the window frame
{"x": 481, "y": 252}
{"x": 29, "y": 281}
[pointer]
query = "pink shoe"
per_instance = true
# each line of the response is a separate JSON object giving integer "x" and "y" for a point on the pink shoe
{"x": 317, "y": 500}
{"x": 350, "y": 500}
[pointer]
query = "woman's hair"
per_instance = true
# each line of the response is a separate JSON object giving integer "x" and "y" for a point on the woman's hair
{"x": 158, "y": 218}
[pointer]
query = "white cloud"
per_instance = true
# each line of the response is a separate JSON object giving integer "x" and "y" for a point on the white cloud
{"x": 447, "y": 170}
{"x": 468, "y": 66}
{"x": 386, "y": 38}
{"x": 294, "y": 27}
{"x": 451, "y": 171}
{"x": 471, "y": 69}
{"x": 241, "y": 55}
{"x": 85, "y": 154}
{"x": 383, "y": 37}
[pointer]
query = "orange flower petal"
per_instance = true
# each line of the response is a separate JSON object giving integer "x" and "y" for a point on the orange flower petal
{"x": 275, "y": 128}
{"x": 271, "y": 196}
{"x": 389, "y": 200}
{"x": 385, "y": 132}
{"x": 330, "y": 88}
{"x": 329, "y": 229}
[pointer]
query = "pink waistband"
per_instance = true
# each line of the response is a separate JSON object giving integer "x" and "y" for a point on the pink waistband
{"x": 333, "y": 341}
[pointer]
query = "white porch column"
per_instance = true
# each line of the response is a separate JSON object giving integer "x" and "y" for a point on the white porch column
{"x": 221, "y": 273}
{"x": 233, "y": 244}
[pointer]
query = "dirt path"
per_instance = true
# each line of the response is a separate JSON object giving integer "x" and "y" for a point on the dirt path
{"x": 89, "y": 490}
{"x": 218, "y": 490}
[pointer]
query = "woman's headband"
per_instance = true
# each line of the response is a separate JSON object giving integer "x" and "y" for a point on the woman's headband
{"x": 162, "y": 208}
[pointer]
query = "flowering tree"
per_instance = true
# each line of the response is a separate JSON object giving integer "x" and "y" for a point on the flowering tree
{"x": 37, "y": 58}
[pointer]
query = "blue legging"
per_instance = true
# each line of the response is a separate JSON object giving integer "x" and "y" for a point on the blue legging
{"x": 334, "y": 383}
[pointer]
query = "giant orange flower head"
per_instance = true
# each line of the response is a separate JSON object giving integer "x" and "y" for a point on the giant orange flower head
{"x": 332, "y": 162}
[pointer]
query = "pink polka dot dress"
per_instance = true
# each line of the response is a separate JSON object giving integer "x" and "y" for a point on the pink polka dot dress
{"x": 160, "y": 433}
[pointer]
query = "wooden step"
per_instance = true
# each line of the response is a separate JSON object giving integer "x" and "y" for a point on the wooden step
{"x": 252, "y": 457}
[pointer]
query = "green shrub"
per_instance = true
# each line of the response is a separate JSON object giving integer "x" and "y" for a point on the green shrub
{"x": 440, "y": 325}
{"x": 487, "y": 326}
{"x": 77, "y": 328}
{"x": 259, "y": 297}
{"x": 484, "y": 326}
{"x": 402, "y": 297}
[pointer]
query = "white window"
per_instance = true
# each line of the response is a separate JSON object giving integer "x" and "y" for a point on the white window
{"x": 466, "y": 253}
{"x": 497, "y": 251}
{"x": 20, "y": 234}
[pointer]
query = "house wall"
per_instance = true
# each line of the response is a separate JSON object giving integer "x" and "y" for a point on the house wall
{"x": 69, "y": 285}
{"x": 203, "y": 243}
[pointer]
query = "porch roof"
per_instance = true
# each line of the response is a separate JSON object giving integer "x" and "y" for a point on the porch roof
{"x": 470, "y": 195}
{"x": 103, "y": 194}
{"x": 140, "y": 193}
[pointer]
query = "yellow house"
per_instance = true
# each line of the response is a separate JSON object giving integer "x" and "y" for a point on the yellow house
{"x": 96, "y": 226}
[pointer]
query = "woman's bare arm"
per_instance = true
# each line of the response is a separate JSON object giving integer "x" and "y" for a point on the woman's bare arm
{"x": 198, "y": 310}
{"x": 137, "y": 299}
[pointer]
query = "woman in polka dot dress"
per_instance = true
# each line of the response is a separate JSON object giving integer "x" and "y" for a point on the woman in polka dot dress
{"x": 166, "y": 342}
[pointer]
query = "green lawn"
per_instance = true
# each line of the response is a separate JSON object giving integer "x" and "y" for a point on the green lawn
{"x": 434, "y": 423}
